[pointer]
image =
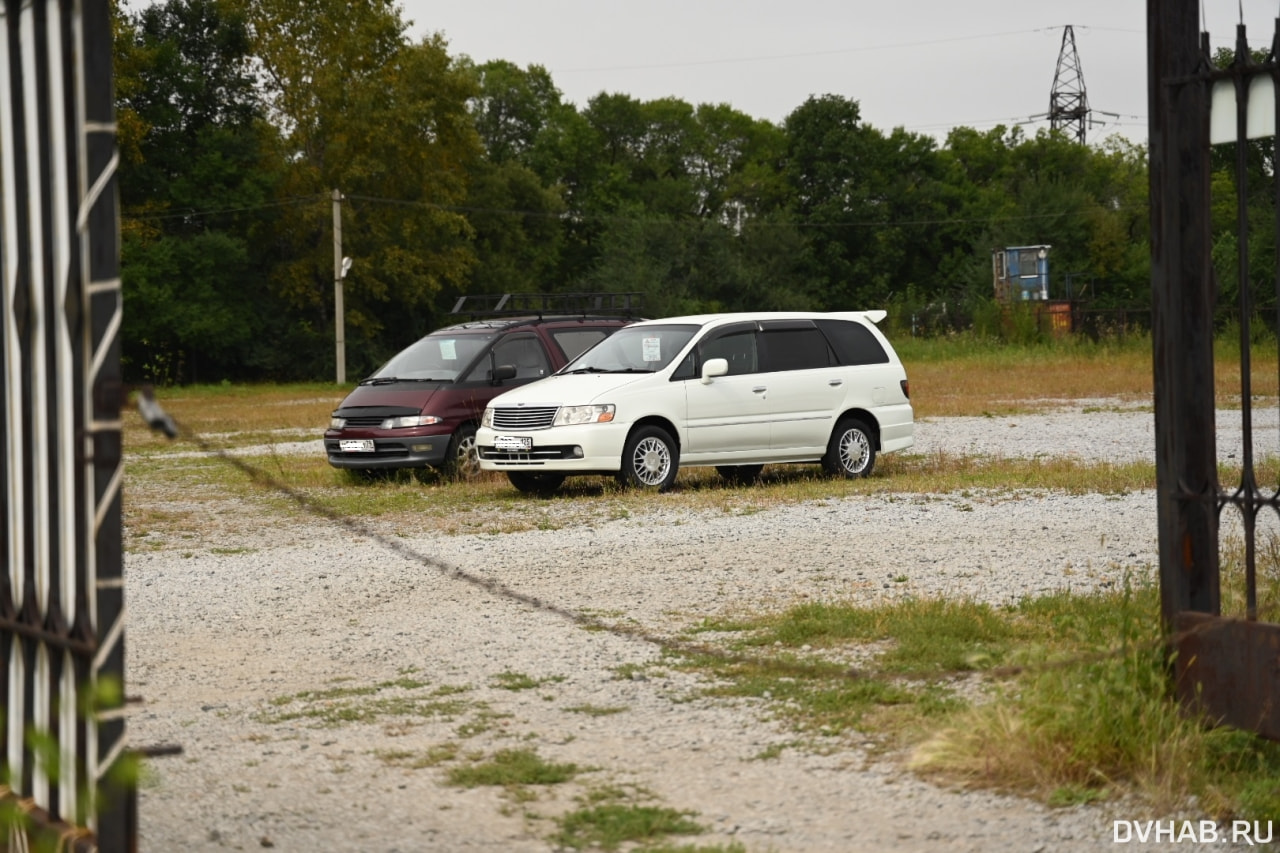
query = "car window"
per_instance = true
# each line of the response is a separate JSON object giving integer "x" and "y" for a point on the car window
{"x": 853, "y": 342}
{"x": 794, "y": 349}
{"x": 524, "y": 352}
{"x": 687, "y": 368}
{"x": 574, "y": 342}
{"x": 635, "y": 349}
{"x": 435, "y": 357}
{"x": 738, "y": 348}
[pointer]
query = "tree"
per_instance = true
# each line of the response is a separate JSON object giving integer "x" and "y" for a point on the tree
{"x": 839, "y": 171}
{"x": 384, "y": 121}
{"x": 515, "y": 201}
{"x": 192, "y": 187}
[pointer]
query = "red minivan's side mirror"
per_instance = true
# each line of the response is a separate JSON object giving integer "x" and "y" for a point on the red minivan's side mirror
{"x": 502, "y": 372}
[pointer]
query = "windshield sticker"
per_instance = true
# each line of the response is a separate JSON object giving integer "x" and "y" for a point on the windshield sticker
{"x": 449, "y": 349}
{"x": 651, "y": 349}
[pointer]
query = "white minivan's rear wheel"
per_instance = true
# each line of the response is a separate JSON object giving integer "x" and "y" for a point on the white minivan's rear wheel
{"x": 650, "y": 459}
{"x": 851, "y": 451}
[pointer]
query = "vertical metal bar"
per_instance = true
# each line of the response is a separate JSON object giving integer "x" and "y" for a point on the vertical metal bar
{"x": 114, "y": 819}
{"x": 1248, "y": 492}
{"x": 1273, "y": 60}
{"x": 1182, "y": 311}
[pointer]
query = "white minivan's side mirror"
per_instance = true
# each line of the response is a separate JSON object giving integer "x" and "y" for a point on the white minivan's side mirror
{"x": 714, "y": 367}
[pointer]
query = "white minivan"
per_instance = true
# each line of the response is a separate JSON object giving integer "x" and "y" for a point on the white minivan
{"x": 737, "y": 391}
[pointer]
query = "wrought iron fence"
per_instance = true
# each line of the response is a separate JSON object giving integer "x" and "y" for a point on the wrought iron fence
{"x": 1227, "y": 668}
{"x": 62, "y": 608}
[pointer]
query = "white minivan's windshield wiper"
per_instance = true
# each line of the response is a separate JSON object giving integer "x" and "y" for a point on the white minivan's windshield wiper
{"x": 589, "y": 370}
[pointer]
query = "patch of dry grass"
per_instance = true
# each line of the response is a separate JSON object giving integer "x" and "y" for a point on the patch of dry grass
{"x": 176, "y": 491}
{"x": 238, "y": 415}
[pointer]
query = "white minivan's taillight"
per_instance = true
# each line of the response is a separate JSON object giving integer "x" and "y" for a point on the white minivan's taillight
{"x": 906, "y": 388}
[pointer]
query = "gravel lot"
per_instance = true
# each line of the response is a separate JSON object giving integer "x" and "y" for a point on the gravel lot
{"x": 226, "y": 638}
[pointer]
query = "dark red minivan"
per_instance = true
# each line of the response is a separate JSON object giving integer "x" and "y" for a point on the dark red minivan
{"x": 421, "y": 409}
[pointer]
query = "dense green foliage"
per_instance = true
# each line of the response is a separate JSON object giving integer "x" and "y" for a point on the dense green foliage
{"x": 239, "y": 118}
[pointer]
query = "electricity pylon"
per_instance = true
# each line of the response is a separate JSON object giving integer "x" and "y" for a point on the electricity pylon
{"x": 1068, "y": 101}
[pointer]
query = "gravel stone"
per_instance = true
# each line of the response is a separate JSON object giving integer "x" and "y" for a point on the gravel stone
{"x": 217, "y": 642}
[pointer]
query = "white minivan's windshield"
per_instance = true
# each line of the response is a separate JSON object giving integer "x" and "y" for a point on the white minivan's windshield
{"x": 634, "y": 349}
{"x": 440, "y": 357}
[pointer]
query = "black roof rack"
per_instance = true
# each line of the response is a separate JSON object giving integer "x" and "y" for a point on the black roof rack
{"x": 539, "y": 305}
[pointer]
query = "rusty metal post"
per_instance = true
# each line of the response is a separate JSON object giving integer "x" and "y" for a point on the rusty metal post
{"x": 1182, "y": 311}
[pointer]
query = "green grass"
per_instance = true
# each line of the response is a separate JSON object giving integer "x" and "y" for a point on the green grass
{"x": 928, "y": 635}
{"x": 508, "y": 680}
{"x": 596, "y": 710}
{"x": 512, "y": 767}
{"x": 217, "y": 493}
{"x": 1076, "y": 706}
{"x": 1075, "y": 703}
{"x": 410, "y": 759}
{"x": 608, "y": 826}
{"x": 353, "y": 704}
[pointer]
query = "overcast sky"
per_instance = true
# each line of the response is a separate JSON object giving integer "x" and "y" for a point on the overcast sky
{"x": 926, "y": 65}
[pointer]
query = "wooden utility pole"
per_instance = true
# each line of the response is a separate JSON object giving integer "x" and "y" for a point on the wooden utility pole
{"x": 339, "y": 323}
{"x": 1182, "y": 311}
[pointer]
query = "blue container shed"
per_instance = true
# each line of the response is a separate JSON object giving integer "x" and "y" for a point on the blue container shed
{"x": 1021, "y": 273}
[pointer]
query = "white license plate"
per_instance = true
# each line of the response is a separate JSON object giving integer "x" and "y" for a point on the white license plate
{"x": 512, "y": 442}
{"x": 356, "y": 445}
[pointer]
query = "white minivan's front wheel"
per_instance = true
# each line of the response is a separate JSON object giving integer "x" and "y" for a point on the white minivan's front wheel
{"x": 851, "y": 451}
{"x": 650, "y": 459}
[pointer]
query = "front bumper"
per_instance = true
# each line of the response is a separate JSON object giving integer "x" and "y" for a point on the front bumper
{"x": 581, "y": 449}
{"x": 402, "y": 451}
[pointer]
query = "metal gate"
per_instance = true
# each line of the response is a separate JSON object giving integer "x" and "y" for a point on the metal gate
{"x": 62, "y": 592}
{"x": 1227, "y": 668}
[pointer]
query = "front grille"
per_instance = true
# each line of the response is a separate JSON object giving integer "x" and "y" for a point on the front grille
{"x": 374, "y": 421}
{"x": 524, "y": 417}
{"x": 371, "y": 417}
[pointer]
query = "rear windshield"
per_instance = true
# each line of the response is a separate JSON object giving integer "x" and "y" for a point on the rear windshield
{"x": 853, "y": 342}
{"x": 437, "y": 356}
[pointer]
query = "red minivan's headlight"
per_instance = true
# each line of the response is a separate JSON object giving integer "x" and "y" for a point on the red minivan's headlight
{"x": 408, "y": 421}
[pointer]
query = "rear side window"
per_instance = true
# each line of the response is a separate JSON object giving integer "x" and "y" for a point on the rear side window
{"x": 853, "y": 342}
{"x": 574, "y": 342}
{"x": 795, "y": 349}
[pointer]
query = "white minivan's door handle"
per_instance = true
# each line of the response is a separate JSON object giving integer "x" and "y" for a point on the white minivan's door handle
{"x": 759, "y": 389}
{"x": 834, "y": 382}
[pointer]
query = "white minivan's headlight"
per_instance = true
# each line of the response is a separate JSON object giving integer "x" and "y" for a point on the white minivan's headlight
{"x": 410, "y": 421}
{"x": 598, "y": 414}
{"x": 487, "y": 418}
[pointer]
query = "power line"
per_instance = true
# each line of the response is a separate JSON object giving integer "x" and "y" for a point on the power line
{"x": 692, "y": 63}
{"x": 194, "y": 213}
{"x": 603, "y": 218}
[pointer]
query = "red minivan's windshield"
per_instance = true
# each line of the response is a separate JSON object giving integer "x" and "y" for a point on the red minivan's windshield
{"x": 438, "y": 356}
